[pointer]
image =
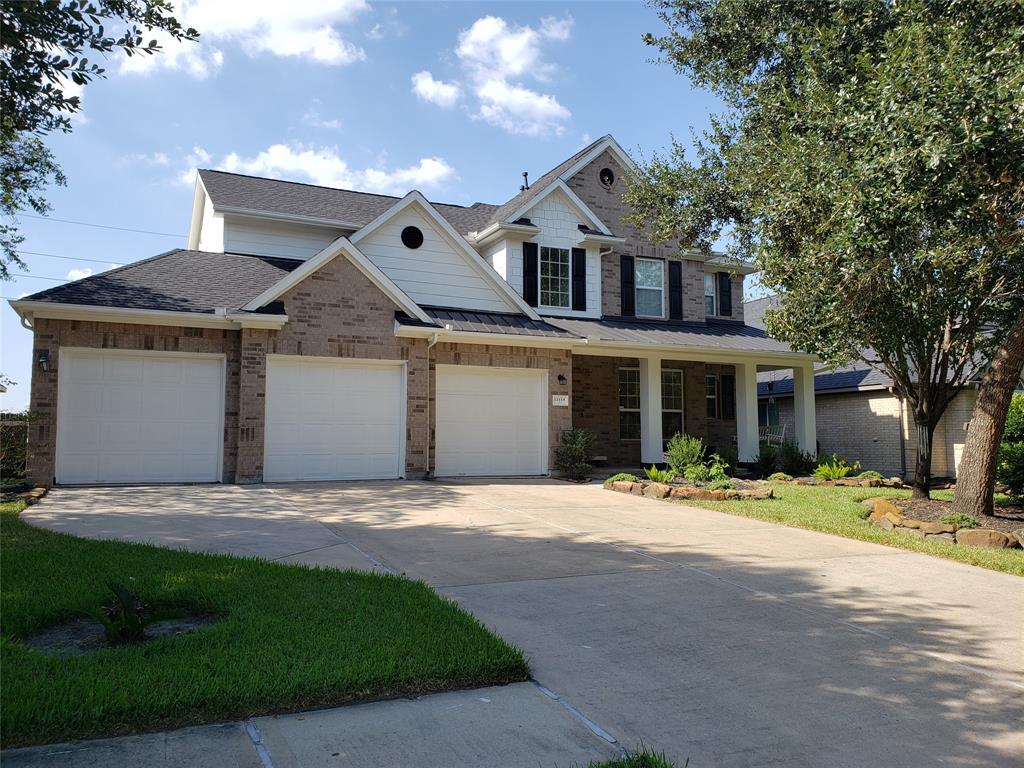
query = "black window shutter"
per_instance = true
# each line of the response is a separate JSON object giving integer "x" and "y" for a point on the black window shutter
{"x": 728, "y": 384}
{"x": 628, "y": 282}
{"x": 530, "y": 273}
{"x": 675, "y": 290}
{"x": 725, "y": 294}
{"x": 579, "y": 279}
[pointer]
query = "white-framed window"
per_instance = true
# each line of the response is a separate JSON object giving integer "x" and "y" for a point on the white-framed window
{"x": 555, "y": 284}
{"x": 671, "y": 402}
{"x": 710, "y": 295}
{"x": 711, "y": 395}
{"x": 629, "y": 403}
{"x": 650, "y": 287}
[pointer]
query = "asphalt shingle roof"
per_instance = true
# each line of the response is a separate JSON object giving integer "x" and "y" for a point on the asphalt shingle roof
{"x": 179, "y": 281}
{"x": 718, "y": 335}
{"x": 490, "y": 322}
{"x": 292, "y": 198}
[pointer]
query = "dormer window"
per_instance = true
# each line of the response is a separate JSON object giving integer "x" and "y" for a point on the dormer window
{"x": 554, "y": 277}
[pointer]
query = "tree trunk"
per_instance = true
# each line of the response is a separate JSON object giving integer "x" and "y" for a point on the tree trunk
{"x": 923, "y": 466}
{"x": 976, "y": 476}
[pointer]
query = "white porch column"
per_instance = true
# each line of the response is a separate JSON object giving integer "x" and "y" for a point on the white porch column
{"x": 651, "y": 450}
{"x": 803, "y": 408}
{"x": 747, "y": 444}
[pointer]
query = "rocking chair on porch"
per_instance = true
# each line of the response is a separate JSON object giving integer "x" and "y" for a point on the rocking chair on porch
{"x": 773, "y": 435}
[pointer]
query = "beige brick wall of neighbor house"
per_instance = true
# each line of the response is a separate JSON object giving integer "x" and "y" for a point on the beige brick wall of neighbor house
{"x": 865, "y": 427}
{"x": 608, "y": 206}
{"x": 555, "y": 361}
{"x": 52, "y": 335}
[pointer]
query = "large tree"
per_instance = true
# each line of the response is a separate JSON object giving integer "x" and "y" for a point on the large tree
{"x": 869, "y": 160}
{"x": 45, "y": 46}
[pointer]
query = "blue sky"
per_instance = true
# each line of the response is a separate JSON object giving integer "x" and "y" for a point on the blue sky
{"x": 454, "y": 99}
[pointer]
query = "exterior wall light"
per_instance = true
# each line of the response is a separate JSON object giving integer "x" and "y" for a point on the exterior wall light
{"x": 44, "y": 360}
{"x": 562, "y": 379}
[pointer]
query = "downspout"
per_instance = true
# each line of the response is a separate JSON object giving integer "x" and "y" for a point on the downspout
{"x": 903, "y": 442}
{"x": 430, "y": 345}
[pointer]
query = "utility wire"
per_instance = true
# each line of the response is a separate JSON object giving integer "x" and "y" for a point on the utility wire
{"x": 66, "y": 258}
{"x": 42, "y": 277}
{"x": 101, "y": 226}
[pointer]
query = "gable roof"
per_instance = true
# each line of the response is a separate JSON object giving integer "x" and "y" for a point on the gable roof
{"x": 344, "y": 208}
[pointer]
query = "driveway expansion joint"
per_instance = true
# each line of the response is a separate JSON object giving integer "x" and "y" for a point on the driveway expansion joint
{"x": 589, "y": 724}
{"x": 256, "y": 738}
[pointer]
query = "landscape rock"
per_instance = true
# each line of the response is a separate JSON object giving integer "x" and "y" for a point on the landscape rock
{"x": 983, "y": 537}
{"x": 658, "y": 491}
{"x": 910, "y": 523}
{"x": 847, "y": 482}
{"x": 622, "y": 486}
{"x": 1019, "y": 535}
{"x": 946, "y": 536}
{"x": 933, "y": 527}
{"x": 885, "y": 507}
{"x": 917, "y": 533}
{"x": 885, "y": 523}
{"x": 870, "y": 483}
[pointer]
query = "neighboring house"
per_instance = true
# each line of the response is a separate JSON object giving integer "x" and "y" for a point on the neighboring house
{"x": 859, "y": 416}
{"x": 309, "y": 333}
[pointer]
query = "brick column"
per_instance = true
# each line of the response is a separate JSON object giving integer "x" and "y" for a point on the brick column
{"x": 252, "y": 401}
{"x": 42, "y": 429}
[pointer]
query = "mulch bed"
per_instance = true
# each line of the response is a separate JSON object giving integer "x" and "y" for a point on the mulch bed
{"x": 1006, "y": 518}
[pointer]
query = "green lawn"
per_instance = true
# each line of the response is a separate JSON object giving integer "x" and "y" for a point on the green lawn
{"x": 838, "y": 510}
{"x": 642, "y": 759}
{"x": 289, "y": 637}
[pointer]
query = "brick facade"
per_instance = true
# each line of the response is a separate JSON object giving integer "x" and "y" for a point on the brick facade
{"x": 607, "y": 204}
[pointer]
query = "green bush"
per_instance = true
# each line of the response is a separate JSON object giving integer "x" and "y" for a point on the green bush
{"x": 869, "y": 474}
{"x": 723, "y": 484}
{"x": 684, "y": 451}
{"x": 779, "y": 476}
{"x": 767, "y": 460}
{"x": 660, "y": 475}
{"x": 630, "y": 478}
{"x": 1013, "y": 431}
{"x": 696, "y": 473}
{"x": 960, "y": 520}
{"x": 795, "y": 462}
{"x": 572, "y": 457}
{"x": 1010, "y": 467}
{"x": 729, "y": 457}
{"x": 718, "y": 468}
{"x": 835, "y": 468}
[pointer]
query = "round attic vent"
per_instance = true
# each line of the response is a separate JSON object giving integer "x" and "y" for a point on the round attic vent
{"x": 412, "y": 237}
{"x": 607, "y": 177}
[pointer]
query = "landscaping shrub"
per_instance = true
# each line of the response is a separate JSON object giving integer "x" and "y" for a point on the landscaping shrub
{"x": 718, "y": 468}
{"x": 767, "y": 460}
{"x": 684, "y": 451}
{"x": 696, "y": 473}
{"x": 960, "y": 520}
{"x": 660, "y": 475}
{"x": 729, "y": 457}
{"x": 628, "y": 477}
{"x": 835, "y": 468}
{"x": 869, "y": 474}
{"x": 13, "y": 444}
{"x": 1010, "y": 467}
{"x": 722, "y": 484}
{"x": 1013, "y": 431}
{"x": 780, "y": 476}
{"x": 572, "y": 457}
{"x": 793, "y": 461}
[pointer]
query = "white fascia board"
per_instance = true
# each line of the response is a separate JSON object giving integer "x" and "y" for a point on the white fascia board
{"x": 458, "y": 241}
{"x": 562, "y": 187}
{"x": 503, "y": 231}
{"x": 608, "y": 143}
{"x": 58, "y": 311}
{"x": 721, "y": 265}
{"x": 290, "y": 218}
{"x": 196, "y": 223}
{"x": 599, "y": 240}
{"x": 700, "y": 354}
{"x": 339, "y": 246}
{"x": 492, "y": 339}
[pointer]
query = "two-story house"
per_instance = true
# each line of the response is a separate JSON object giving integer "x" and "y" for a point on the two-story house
{"x": 310, "y": 333}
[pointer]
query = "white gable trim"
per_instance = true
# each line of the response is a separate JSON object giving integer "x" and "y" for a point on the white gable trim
{"x": 341, "y": 246}
{"x": 196, "y": 223}
{"x": 608, "y": 143}
{"x": 561, "y": 186}
{"x": 458, "y": 242}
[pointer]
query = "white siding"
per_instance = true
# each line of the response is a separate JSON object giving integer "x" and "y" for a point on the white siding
{"x": 494, "y": 255}
{"x": 211, "y": 229}
{"x": 435, "y": 274}
{"x": 265, "y": 237}
{"x": 559, "y": 222}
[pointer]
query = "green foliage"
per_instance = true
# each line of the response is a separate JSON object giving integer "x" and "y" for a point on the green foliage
{"x": 834, "y": 468}
{"x": 1010, "y": 467}
{"x": 780, "y": 476}
{"x": 960, "y": 520}
{"x": 660, "y": 475}
{"x": 767, "y": 460}
{"x": 697, "y": 473}
{"x": 721, "y": 484}
{"x": 1013, "y": 431}
{"x": 47, "y": 44}
{"x": 795, "y": 462}
{"x": 869, "y": 474}
{"x": 627, "y": 476}
{"x": 642, "y": 758}
{"x": 13, "y": 444}
{"x": 125, "y": 620}
{"x": 729, "y": 457}
{"x": 718, "y": 468}
{"x": 572, "y": 457}
{"x": 684, "y": 451}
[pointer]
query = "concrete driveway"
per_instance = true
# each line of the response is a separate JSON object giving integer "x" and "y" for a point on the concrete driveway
{"x": 722, "y": 639}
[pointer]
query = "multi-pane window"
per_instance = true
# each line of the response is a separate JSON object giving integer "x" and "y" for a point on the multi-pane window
{"x": 711, "y": 395}
{"x": 629, "y": 403}
{"x": 710, "y": 298}
{"x": 671, "y": 403}
{"x": 768, "y": 413}
{"x": 554, "y": 277}
{"x": 650, "y": 287}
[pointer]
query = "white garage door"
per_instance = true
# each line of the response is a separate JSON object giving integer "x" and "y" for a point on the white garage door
{"x": 491, "y": 421}
{"x": 333, "y": 419}
{"x": 139, "y": 417}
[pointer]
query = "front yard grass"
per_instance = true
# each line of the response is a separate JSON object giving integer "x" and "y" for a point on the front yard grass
{"x": 288, "y": 637}
{"x": 837, "y": 510}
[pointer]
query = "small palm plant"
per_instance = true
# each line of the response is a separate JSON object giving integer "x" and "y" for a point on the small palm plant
{"x": 126, "y": 618}
{"x": 660, "y": 475}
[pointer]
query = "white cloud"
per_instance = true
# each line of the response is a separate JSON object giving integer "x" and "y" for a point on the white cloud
{"x": 78, "y": 274}
{"x": 157, "y": 158}
{"x": 193, "y": 160}
{"x": 497, "y": 58}
{"x": 298, "y": 28}
{"x": 313, "y": 118}
{"x": 114, "y": 266}
{"x": 376, "y": 32}
{"x": 434, "y": 91}
{"x": 326, "y": 167}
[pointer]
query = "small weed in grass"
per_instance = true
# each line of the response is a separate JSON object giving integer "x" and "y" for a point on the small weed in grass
{"x": 960, "y": 520}
{"x": 642, "y": 759}
{"x": 288, "y": 637}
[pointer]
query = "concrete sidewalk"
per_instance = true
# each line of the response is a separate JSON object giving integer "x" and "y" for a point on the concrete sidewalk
{"x": 727, "y": 640}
